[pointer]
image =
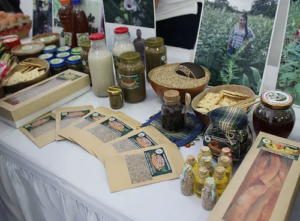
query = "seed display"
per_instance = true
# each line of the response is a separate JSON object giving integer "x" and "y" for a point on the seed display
{"x": 187, "y": 184}
{"x": 67, "y": 121}
{"x": 138, "y": 168}
{"x": 42, "y": 129}
{"x": 124, "y": 145}
{"x": 103, "y": 133}
{"x": 83, "y": 123}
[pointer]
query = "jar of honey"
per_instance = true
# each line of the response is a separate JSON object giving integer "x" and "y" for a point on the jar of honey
{"x": 274, "y": 115}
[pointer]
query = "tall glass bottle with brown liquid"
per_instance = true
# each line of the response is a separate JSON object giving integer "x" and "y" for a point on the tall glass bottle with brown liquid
{"x": 65, "y": 17}
{"x": 80, "y": 25}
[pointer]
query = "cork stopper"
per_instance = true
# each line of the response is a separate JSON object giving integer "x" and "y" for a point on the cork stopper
{"x": 202, "y": 172}
{"x": 189, "y": 172}
{"x": 205, "y": 151}
{"x": 191, "y": 160}
{"x": 220, "y": 173}
{"x": 224, "y": 161}
{"x": 207, "y": 163}
{"x": 208, "y": 184}
{"x": 171, "y": 95}
{"x": 225, "y": 151}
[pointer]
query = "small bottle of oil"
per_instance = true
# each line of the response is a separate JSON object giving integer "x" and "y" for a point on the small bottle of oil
{"x": 205, "y": 152}
{"x": 224, "y": 162}
{"x": 221, "y": 180}
{"x": 200, "y": 180}
{"x": 226, "y": 152}
{"x": 190, "y": 160}
{"x": 207, "y": 163}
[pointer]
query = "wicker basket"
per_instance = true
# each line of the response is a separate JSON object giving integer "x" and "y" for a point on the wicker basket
{"x": 235, "y": 88}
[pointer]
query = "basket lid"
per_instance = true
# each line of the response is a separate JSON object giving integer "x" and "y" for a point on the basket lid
{"x": 30, "y": 48}
{"x": 47, "y": 38}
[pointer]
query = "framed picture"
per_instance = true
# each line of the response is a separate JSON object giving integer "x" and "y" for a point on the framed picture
{"x": 234, "y": 40}
{"x": 42, "y": 17}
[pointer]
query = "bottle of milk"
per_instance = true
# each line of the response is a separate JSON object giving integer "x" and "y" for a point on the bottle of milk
{"x": 101, "y": 65}
{"x": 122, "y": 44}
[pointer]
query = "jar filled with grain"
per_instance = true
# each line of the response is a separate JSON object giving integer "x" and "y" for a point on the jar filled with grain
{"x": 220, "y": 179}
{"x": 132, "y": 77}
{"x": 115, "y": 97}
{"x": 224, "y": 161}
{"x": 200, "y": 180}
{"x": 187, "y": 181}
{"x": 190, "y": 160}
{"x": 155, "y": 53}
{"x": 172, "y": 113}
{"x": 209, "y": 194}
{"x": 207, "y": 163}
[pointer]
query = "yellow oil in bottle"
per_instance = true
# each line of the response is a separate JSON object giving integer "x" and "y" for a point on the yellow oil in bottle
{"x": 200, "y": 180}
{"x": 205, "y": 152}
{"x": 224, "y": 161}
{"x": 191, "y": 160}
{"x": 207, "y": 163}
{"x": 221, "y": 180}
{"x": 226, "y": 152}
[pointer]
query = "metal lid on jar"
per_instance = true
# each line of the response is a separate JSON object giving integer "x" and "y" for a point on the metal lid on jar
{"x": 154, "y": 42}
{"x": 57, "y": 62}
{"x": 277, "y": 100}
{"x": 121, "y": 30}
{"x": 114, "y": 90}
{"x": 171, "y": 95}
{"x": 130, "y": 57}
{"x": 75, "y": 59}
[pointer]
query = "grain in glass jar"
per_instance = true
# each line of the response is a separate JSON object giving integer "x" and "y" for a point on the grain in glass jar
{"x": 74, "y": 63}
{"x": 209, "y": 194}
{"x": 132, "y": 77}
{"x": 155, "y": 53}
{"x": 57, "y": 65}
{"x": 275, "y": 114}
{"x": 172, "y": 113}
{"x": 187, "y": 181}
{"x": 115, "y": 94}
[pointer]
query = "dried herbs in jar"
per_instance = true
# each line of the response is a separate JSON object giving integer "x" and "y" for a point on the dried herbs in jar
{"x": 187, "y": 178}
{"x": 209, "y": 194}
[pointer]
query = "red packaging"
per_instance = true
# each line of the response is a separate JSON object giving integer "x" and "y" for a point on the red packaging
{"x": 11, "y": 42}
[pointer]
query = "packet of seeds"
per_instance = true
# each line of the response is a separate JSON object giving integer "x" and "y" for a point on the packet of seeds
{"x": 110, "y": 128}
{"x": 41, "y": 130}
{"x": 143, "y": 166}
{"x": 67, "y": 115}
{"x": 142, "y": 138}
{"x": 95, "y": 115}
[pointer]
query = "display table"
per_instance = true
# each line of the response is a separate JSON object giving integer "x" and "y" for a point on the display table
{"x": 62, "y": 181}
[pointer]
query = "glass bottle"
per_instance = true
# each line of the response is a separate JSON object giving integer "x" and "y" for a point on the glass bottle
{"x": 226, "y": 152}
{"x": 209, "y": 194}
{"x": 122, "y": 44}
{"x": 132, "y": 77}
{"x": 225, "y": 162}
{"x": 275, "y": 114}
{"x": 190, "y": 160}
{"x": 205, "y": 152}
{"x": 172, "y": 111}
{"x": 86, "y": 46}
{"x": 207, "y": 163}
{"x": 221, "y": 180}
{"x": 80, "y": 25}
{"x": 200, "y": 180}
{"x": 65, "y": 17}
{"x": 155, "y": 53}
{"x": 101, "y": 66}
{"x": 115, "y": 97}
{"x": 187, "y": 181}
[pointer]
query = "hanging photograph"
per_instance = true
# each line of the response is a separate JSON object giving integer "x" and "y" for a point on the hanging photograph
{"x": 42, "y": 17}
{"x": 289, "y": 73}
{"x": 234, "y": 39}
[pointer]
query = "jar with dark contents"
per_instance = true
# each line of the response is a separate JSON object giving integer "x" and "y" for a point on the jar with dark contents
{"x": 74, "y": 63}
{"x": 115, "y": 94}
{"x": 172, "y": 111}
{"x": 86, "y": 46}
{"x": 155, "y": 53}
{"x": 274, "y": 115}
{"x": 57, "y": 65}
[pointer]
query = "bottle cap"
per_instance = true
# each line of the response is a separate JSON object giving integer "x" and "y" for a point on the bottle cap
{"x": 46, "y": 57}
{"x": 97, "y": 36}
{"x": 50, "y": 49}
{"x": 63, "y": 55}
{"x": 121, "y": 30}
{"x": 130, "y": 57}
{"x": 57, "y": 62}
{"x": 64, "y": 49}
{"x": 277, "y": 100}
{"x": 76, "y": 51}
{"x": 76, "y": 2}
{"x": 154, "y": 42}
{"x": 171, "y": 95}
{"x": 65, "y": 2}
{"x": 75, "y": 59}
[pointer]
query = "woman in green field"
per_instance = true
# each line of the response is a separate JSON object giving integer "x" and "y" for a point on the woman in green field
{"x": 240, "y": 35}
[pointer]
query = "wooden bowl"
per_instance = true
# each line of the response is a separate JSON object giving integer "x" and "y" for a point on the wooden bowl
{"x": 160, "y": 90}
{"x": 235, "y": 88}
{"x": 55, "y": 41}
{"x": 20, "y": 86}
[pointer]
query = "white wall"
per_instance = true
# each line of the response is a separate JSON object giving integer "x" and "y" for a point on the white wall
{"x": 27, "y": 7}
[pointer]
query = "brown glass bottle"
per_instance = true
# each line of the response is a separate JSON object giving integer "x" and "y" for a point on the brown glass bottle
{"x": 65, "y": 17}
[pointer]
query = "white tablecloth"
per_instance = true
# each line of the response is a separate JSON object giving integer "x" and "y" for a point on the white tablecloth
{"x": 64, "y": 182}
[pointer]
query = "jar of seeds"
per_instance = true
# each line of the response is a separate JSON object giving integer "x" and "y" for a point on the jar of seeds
{"x": 172, "y": 113}
{"x": 209, "y": 194}
{"x": 187, "y": 178}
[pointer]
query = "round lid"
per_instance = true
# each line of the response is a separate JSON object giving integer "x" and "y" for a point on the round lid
{"x": 63, "y": 55}
{"x": 155, "y": 41}
{"x": 46, "y": 56}
{"x": 97, "y": 36}
{"x": 121, "y": 30}
{"x": 276, "y": 100}
{"x": 224, "y": 160}
{"x": 76, "y": 2}
{"x": 75, "y": 59}
{"x": 76, "y": 50}
{"x": 30, "y": 48}
{"x": 64, "y": 49}
{"x": 56, "y": 62}
{"x": 65, "y": 2}
{"x": 50, "y": 48}
{"x": 130, "y": 57}
{"x": 220, "y": 172}
{"x": 171, "y": 95}
{"x": 114, "y": 90}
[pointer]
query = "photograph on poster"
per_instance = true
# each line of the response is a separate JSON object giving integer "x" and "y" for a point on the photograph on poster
{"x": 130, "y": 12}
{"x": 234, "y": 39}
{"x": 289, "y": 73}
{"x": 42, "y": 17}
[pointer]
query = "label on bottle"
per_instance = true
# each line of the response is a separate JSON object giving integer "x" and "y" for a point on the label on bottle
{"x": 158, "y": 162}
{"x": 68, "y": 38}
{"x": 142, "y": 140}
{"x": 82, "y": 37}
{"x": 130, "y": 81}
{"x": 86, "y": 67}
{"x": 163, "y": 59}
{"x": 117, "y": 126}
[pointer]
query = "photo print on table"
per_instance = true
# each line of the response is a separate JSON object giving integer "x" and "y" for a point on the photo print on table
{"x": 137, "y": 15}
{"x": 42, "y": 17}
{"x": 234, "y": 39}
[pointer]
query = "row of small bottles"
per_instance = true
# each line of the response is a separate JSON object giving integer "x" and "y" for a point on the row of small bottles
{"x": 205, "y": 181}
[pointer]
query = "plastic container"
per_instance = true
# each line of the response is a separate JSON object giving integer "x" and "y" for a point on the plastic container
{"x": 30, "y": 50}
{"x": 50, "y": 49}
{"x": 11, "y": 42}
{"x": 57, "y": 65}
{"x": 65, "y": 17}
{"x": 74, "y": 63}
{"x": 63, "y": 55}
{"x": 48, "y": 39}
{"x": 80, "y": 25}
{"x": 47, "y": 57}
{"x": 76, "y": 51}
{"x": 64, "y": 49}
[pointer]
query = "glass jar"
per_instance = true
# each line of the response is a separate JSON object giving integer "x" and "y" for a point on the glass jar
{"x": 187, "y": 179}
{"x": 221, "y": 180}
{"x": 209, "y": 194}
{"x": 50, "y": 49}
{"x": 274, "y": 115}
{"x": 57, "y": 65}
{"x": 172, "y": 113}
{"x": 76, "y": 51}
{"x": 115, "y": 94}
{"x": 63, "y": 55}
{"x": 122, "y": 44}
{"x": 155, "y": 53}
{"x": 132, "y": 77}
{"x": 86, "y": 46}
{"x": 47, "y": 57}
{"x": 74, "y": 63}
{"x": 200, "y": 177}
{"x": 64, "y": 49}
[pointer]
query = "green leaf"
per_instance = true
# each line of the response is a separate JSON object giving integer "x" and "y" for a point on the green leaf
{"x": 246, "y": 81}
{"x": 289, "y": 75}
{"x": 297, "y": 88}
{"x": 256, "y": 75}
{"x": 289, "y": 90}
{"x": 163, "y": 169}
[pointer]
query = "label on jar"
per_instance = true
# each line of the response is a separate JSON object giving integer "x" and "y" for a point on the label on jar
{"x": 158, "y": 162}
{"x": 86, "y": 68}
{"x": 49, "y": 38}
{"x": 63, "y": 54}
{"x": 45, "y": 56}
{"x": 50, "y": 47}
{"x": 26, "y": 48}
{"x": 163, "y": 59}
{"x": 82, "y": 37}
{"x": 130, "y": 81}
{"x": 68, "y": 38}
